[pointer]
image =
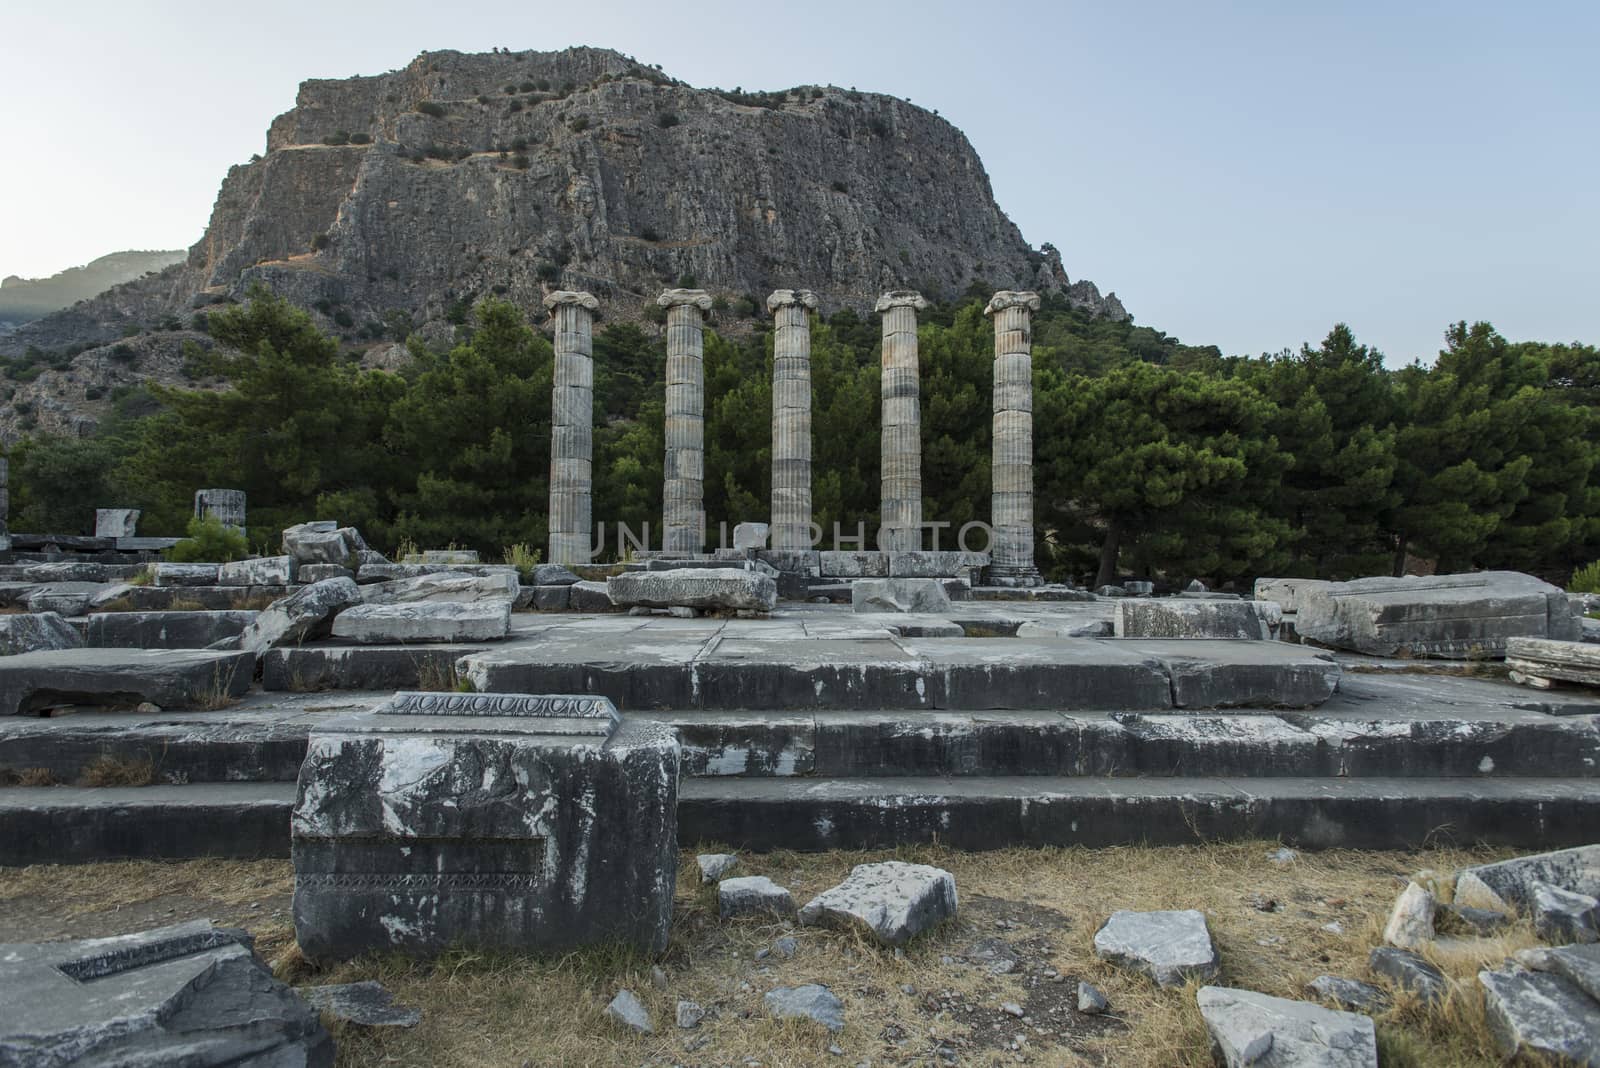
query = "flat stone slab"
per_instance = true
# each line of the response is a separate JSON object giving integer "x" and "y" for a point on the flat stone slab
{"x": 1543, "y": 659}
{"x": 171, "y": 678}
{"x": 365, "y": 1004}
{"x": 190, "y": 994}
{"x": 1410, "y": 972}
{"x": 425, "y": 621}
{"x": 186, "y": 574}
{"x": 753, "y": 895}
{"x": 812, "y": 1002}
{"x": 1256, "y": 1029}
{"x": 1535, "y": 1013}
{"x": 1173, "y": 617}
{"x": 1243, "y": 674}
{"x": 34, "y": 632}
{"x": 1450, "y": 616}
{"x": 444, "y": 587}
{"x": 1170, "y": 947}
{"x": 721, "y": 588}
{"x": 1510, "y": 884}
{"x": 163, "y": 630}
{"x": 891, "y": 901}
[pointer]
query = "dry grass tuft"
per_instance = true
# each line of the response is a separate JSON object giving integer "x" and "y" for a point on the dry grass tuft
{"x": 185, "y": 604}
{"x": 437, "y": 674}
{"x": 109, "y": 770}
{"x": 33, "y": 777}
{"x": 216, "y": 695}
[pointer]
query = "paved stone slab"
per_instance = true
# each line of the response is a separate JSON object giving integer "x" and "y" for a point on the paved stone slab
{"x": 891, "y": 901}
{"x": 124, "y": 677}
{"x": 425, "y": 621}
{"x": 1535, "y": 1013}
{"x": 1222, "y": 674}
{"x": 164, "y": 630}
{"x": 1170, "y": 947}
{"x": 1256, "y": 1029}
{"x": 190, "y": 994}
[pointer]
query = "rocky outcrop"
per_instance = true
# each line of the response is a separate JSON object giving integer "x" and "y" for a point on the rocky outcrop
{"x": 392, "y": 199}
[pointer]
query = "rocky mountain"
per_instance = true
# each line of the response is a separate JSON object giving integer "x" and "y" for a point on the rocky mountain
{"x": 390, "y": 203}
{"x": 25, "y": 299}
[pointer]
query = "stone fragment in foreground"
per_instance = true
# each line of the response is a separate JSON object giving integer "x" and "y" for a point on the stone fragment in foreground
{"x": 189, "y": 994}
{"x": 1509, "y": 884}
{"x": 1410, "y": 923}
{"x": 1562, "y": 916}
{"x": 1539, "y": 659}
{"x": 1536, "y": 1013}
{"x": 366, "y": 1004}
{"x": 305, "y": 614}
{"x": 753, "y": 895}
{"x": 1352, "y": 995}
{"x": 892, "y": 901}
{"x": 32, "y": 632}
{"x": 899, "y": 595}
{"x": 713, "y": 866}
{"x": 1256, "y": 1029}
{"x": 719, "y": 588}
{"x": 425, "y": 622}
{"x": 1169, "y": 947}
{"x": 627, "y": 1010}
{"x": 510, "y": 822}
{"x": 170, "y": 678}
{"x": 1409, "y": 972}
{"x": 812, "y": 1002}
{"x": 1091, "y": 1002}
{"x": 689, "y": 1014}
{"x": 1579, "y": 964}
{"x": 1449, "y": 616}
{"x": 1171, "y": 617}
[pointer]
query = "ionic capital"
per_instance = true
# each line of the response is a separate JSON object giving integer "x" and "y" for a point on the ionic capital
{"x": 900, "y": 298}
{"x": 567, "y": 296}
{"x": 672, "y": 298}
{"x": 783, "y": 298}
{"x": 1008, "y": 298}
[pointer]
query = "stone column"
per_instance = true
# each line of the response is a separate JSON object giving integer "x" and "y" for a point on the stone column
{"x": 900, "y": 454}
{"x": 791, "y": 418}
{"x": 1011, "y": 467}
{"x": 683, "y": 497}
{"x": 572, "y": 427}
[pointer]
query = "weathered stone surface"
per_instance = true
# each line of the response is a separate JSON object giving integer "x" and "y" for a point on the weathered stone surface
{"x": 1091, "y": 1002}
{"x": 1256, "y": 1029}
{"x": 164, "y": 630}
{"x": 590, "y": 597}
{"x": 1169, "y": 947}
{"x": 36, "y": 632}
{"x": 1011, "y": 463}
{"x": 226, "y": 505}
{"x": 900, "y": 595}
{"x": 170, "y": 678}
{"x": 1170, "y": 617}
{"x": 688, "y": 1014}
{"x": 791, "y": 418}
{"x": 553, "y": 575}
{"x": 853, "y": 564}
{"x": 444, "y": 557}
{"x": 365, "y": 1004}
{"x": 1481, "y": 922}
{"x": 751, "y": 535}
{"x": 812, "y": 1002}
{"x": 1509, "y": 884}
{"x": 627, "y": 1010}
{"x": 188, "y": 994}
{"x": 1234, "y": 674}
{"x": 753, "y": 895}
{"x": 1410, "y": 923}
{"x": 425, "y": 621}
{"x": 505, "y": 821}
{"x": 1566, "y": 661}
{"x": 1535, "y": 1013}
{"x": 61, "y": 598}
{"x": 261, "y": 571}
{"x": 313, "y": 543}
{"x": 943, "y": 563}
{"x": 571, "y": 427}
{"x": 892, "y": 901}
{"x": 1580, "y": 965}
{"x": 74, "y": 571}
{"x": 1409, "y": 972}
{"x": 713, "y": 866}
{"x": 1352, "y": 995}
{"x": 444, "y": 587}
{"x": 1449, "y": 616}
{"x": 1286, "y": 591}
{"x": 725, "y": 589}
{"x": 1562, "y": 916}
{"x": 186, "y": 574}
{"x": 116, "y": 522}
{"x": 549, "y": 598}
{"x": 309, "y": 573}
{"x": 305, "y": 614}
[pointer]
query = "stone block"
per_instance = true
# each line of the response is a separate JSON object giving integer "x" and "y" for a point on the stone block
{"x": 753, "y": 895}
{"x": 61, "y": 598}
{"x": 260, "y": 571}
{"x": 226, "y": 505}
{"x": 189, "y": 994}
{"x": 116, "y": 522}
{"x": 891, "y": 902}
{"x": 929, "y": 564}
{"x": 444, "y": 556}
{"x": 1170, "y": 617}
{"x": 801, "y": 561}
{"x": 720, "y": 589}
{"x": 1286, "y": 592}
{"x": 1169, "y": 947}
{"x": 553, "y": 575}
{"x": 899, "y": 595}
{"x": 443, "y": 587}
{"x": 552, "y": 598}
{"x": 508, "y": 822}
{"x": 1509, "y": 884}
{"x": 1533, "y": 1014}
{"x": 163, "y": 630}
{"x": 1448, "y": 616}
{"x": 1248, "y": 1028}
{"x": 853, "y": 565}
{"x": 305, "y": 614}
{"x": 309, "y": 573}
{"x": 186, "y": 574}
{"x": 1531, "y": 659}
{"x": 590, "y": 597}
{"x": 78, "y": 571}
{"x": 751, "y": 535}
{"x": 312, "y": 543}
{"x": 425, "y": 621}
{"x": 1562, "y": 917}
{"x": 36, "y": 632}
{"x": 171, "y": 678}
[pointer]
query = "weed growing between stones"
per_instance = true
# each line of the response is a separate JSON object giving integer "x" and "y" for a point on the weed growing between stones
{"x": 109, "y": 770}
{"x": 215, "y": 696}
{"x": 437, "y": 674}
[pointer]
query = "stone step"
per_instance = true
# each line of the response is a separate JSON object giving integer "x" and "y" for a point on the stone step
{"x": 169, "y": 678}
{"x": 44, "y": 825}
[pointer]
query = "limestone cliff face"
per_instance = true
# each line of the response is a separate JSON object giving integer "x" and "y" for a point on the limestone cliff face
{"x": 512, "y": 174}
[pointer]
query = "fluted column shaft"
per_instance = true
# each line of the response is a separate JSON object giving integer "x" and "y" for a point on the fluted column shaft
{"x": 1011, "y": 467}
{"x": 572, "y": 427}
{"x": 900, "y": 448}
{"x": 791, "y": 418}
{"x": 683, "y": 494}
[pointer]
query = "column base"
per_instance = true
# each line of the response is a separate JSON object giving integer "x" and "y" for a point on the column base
{"x": 1013, "y": 577}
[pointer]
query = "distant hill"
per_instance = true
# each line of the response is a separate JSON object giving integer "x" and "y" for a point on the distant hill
{"x": 23, "y": 300}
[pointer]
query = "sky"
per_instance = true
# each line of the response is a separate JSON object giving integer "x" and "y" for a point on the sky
{"x": 1240, "y": 174}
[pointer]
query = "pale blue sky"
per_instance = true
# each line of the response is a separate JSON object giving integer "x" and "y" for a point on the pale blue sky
{"x": 1243, "y": 174}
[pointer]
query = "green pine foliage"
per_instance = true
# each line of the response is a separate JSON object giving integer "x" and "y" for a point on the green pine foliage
{"x": 1151, "y": 457}
{"x": 210, "y": 541}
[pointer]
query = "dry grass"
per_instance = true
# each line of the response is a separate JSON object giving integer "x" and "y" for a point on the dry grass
{"x": 258, "y": 602}
{"x": 437, "y": 674}
{"x": 30, "y": 777}
{"x": 185, "y": 604}
{"x": 215, "y": 695}
{"x": 109, "y": 770}
{"x": 485, "y": 1009}
{"x": 120, "y": 604}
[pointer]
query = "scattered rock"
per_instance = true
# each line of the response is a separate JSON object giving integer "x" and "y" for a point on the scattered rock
{"x": 1562, "y": 916}
{"x": 1508, "y": 885}
{"x": 1409, "y": 972}
{"x": 658, "y": 977}
{"x": 1091, "y": 1002}
{"x": 627, "y": 1010}
{"x": 1011, "y": 1008}
{"x": 305, "y": 614}
{"x": 35, "y": 632}
{"x": 1578, "y": 964}
{"x": 810, "y": 1002}
{"x": 1538, "y": 1013}
{"x": 689, "y": 1015}
{"x": 1350, "y": 994}
{"x": 713, "y": 866}
{"x": 786, "y": 947}
{"x": 1256, "y": 1029}
{"x": 753, "y": 895}
{"x": 367, "y": 1004}
{"x": 1410, "y": 923}
{"x": 1479, "y": 921}
{"x": 893, "y": 901}
{"x": 1169, "y": 947}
